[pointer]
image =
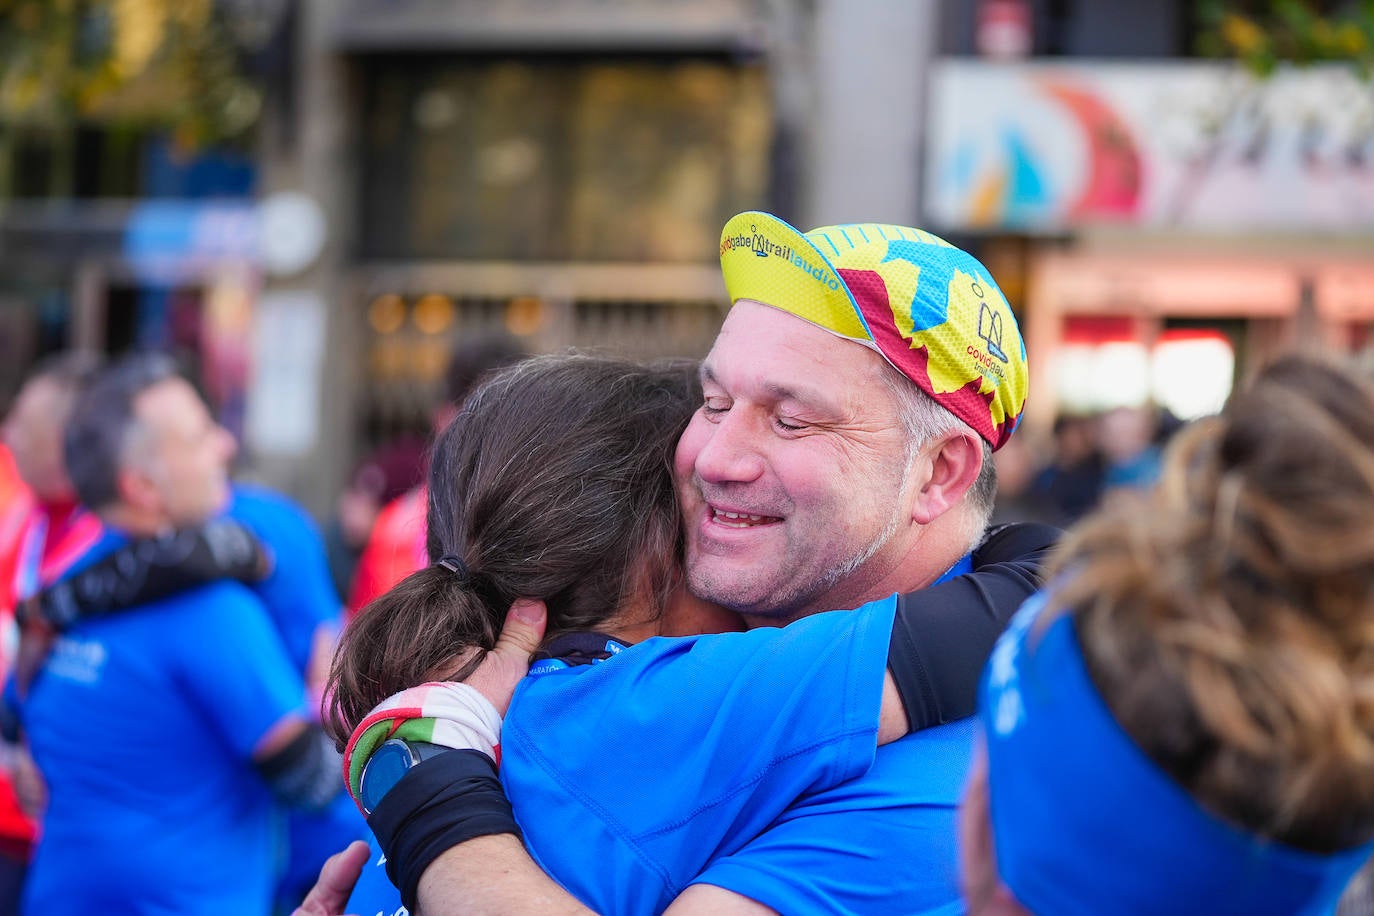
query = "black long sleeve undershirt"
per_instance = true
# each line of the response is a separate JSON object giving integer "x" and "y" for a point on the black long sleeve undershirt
{"x": 943, "y": 635}
{"x": 149, "y": 569}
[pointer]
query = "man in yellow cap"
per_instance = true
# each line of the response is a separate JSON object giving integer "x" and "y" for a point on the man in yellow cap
{"x": 845, "y": 456}
{"x": 851, "y": 402}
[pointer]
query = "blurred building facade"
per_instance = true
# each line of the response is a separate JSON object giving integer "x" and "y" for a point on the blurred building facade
{"x": 423, "y": 169}
{"x": 1165, "y": 223}
{"x": 562, "y": 169}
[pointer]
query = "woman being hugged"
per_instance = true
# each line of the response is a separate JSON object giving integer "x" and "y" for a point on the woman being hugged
{"x": 554, "y": 483}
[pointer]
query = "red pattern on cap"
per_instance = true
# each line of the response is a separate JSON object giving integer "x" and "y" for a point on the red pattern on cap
{"x": 967, "y": 403}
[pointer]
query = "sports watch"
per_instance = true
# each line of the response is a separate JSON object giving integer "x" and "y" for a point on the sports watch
{"x": 388, "y": 764}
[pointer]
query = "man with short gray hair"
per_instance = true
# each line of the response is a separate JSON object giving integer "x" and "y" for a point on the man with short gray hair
{"x": 165, "y": 732}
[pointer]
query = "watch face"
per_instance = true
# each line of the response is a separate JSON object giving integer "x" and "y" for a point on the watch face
{"x": 384, "y": 769}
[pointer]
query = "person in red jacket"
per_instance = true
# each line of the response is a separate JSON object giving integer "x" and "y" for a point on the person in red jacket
{"x": 42, "y": 531}
{"x": 396, "y": 546}
{"x": 15, "y": 504}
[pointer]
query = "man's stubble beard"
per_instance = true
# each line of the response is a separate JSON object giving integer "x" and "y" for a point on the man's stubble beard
{"x": 805, "y": 600}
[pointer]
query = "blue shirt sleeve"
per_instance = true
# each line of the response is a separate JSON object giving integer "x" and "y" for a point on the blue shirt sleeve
{"x": 238, "y": 673}
{"x": 374, "y": 894}
{"x": 299, "y": 593}
{"x": 678, "y": 750}
{"x": 883, "y": 843}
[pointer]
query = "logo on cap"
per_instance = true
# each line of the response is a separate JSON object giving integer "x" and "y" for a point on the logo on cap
{"x": 990, "y": 329}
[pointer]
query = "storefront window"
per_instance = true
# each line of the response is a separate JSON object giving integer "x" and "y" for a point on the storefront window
{"x": 560, "y": 158}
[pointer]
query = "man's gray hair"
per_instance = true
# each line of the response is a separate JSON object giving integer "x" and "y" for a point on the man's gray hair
{"x": 71, "y": 370}
{"x": 924, "y": 419}
{"x": 102, "y": 427}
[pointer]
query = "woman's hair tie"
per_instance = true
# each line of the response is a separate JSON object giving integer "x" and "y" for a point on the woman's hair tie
{"x": 455, "y": 565}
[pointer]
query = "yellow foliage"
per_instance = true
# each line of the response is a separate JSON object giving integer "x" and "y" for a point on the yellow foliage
{"x": 26, "y": 91}
{"x": 193, "y": 14}
{"x": 1242, "y": 33}
{"x": 140, "y": 27}
{"x": 1352, "y": 39}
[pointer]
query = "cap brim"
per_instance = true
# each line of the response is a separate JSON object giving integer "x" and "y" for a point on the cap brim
{"x": 766, "y": 260}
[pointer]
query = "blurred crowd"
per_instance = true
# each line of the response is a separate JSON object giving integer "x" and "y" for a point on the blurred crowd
{"x": 116, "y": 494}
{"x": 1061, "y": 480}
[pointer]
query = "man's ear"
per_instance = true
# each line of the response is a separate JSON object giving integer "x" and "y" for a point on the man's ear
{"x": 136, "y": 489}
{"x": 955, "y": 464}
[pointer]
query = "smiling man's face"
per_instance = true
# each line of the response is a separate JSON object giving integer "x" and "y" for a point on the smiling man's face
{"x": 792, "y": 474}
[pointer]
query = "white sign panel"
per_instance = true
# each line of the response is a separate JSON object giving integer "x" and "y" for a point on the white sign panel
{"x": 284, "y": 395}
{"x": 1042, "y": 148}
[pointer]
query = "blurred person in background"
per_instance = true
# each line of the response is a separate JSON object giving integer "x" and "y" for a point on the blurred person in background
{"x": 396, "y": 545}
{"x": 15, "y": 499}
{"x": 383, "y": 476}
{"x": 44, "y": 531}
{"x": 304, "y": 606}
{"x": 164, "y": 732}
{"x": 1183, "y": 722}
{"x": 1072, "y": 481}
{"x": 56, "y": 529}
{"x": 1128, "y": 440}
{"x": 1017, "y": 498}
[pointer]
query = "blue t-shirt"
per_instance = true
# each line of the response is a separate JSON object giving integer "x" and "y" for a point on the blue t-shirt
{"x": 299, "y": 593}
{"x": 374, "y": 894}
{"x": 143, "y": 725}
{"x": 885, "y": 842}
{"x": 881, "y": 843}
{"x": 300, "y": 598}
{"x": 741, "y": 726}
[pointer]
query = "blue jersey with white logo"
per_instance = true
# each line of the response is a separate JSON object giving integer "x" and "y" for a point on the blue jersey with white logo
{"x": 374, "y": 894}
{"x": 144, "y": 725}
{"x": 741, "y": 760}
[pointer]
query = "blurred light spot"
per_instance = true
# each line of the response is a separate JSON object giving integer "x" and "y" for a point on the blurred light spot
{"x": 1191, "y": 374}
{"x": 435, "y": 109}
{"x": 1094, "y": 377}
{"x": 508, "y": 162}
{"x": 387, "y": 313}
{"x": 434, "y": 313}
{"x": 525, "y": 315}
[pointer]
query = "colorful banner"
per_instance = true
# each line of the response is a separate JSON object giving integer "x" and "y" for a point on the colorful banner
{"x": 1044, "y": 148}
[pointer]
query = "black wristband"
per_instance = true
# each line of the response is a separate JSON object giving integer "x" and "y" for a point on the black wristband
{"x": 441, "y": 802}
